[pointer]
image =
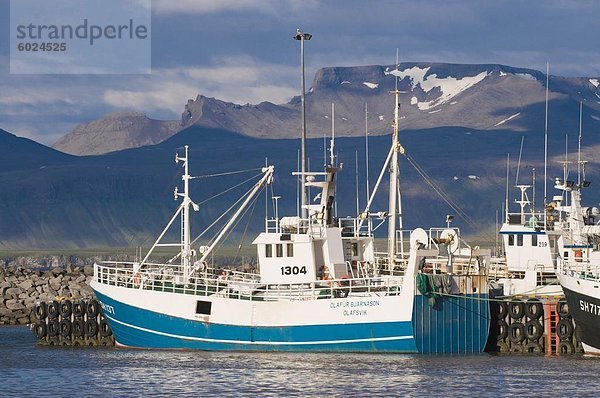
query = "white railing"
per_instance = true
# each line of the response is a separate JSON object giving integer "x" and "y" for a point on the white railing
{"x": 234, "y": 284}
{"x": 580, "y": 269}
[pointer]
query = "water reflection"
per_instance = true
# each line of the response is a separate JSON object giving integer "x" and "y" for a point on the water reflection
{"x": 26, "y": 369}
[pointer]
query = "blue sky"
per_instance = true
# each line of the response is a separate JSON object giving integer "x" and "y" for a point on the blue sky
{"x": 243, "y": 51}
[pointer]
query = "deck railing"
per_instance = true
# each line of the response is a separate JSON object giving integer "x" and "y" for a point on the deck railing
{"x": 585, "y": 269}
{"x": 235, "y": 284}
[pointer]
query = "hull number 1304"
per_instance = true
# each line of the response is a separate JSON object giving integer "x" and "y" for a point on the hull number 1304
{"x": 293, "y": 270}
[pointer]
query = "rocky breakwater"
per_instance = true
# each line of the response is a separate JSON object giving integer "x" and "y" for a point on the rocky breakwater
{"x": 22, "y": 287}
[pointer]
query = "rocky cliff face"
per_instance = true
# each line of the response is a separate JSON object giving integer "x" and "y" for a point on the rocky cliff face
{"x": 114, "y": 132}
{"x": 483, "y": 97}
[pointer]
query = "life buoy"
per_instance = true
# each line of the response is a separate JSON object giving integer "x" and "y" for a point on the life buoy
{"x": 325, "y": 275}
{"x": 578, "y": 255}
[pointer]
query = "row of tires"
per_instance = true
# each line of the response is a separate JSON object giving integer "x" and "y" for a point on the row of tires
{"x": 66, "y": 308}
{"x": 532, "y": 309}
{"x": 77, "y": 328}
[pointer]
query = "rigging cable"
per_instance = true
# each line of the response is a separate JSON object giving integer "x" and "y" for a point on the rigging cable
{"x": 445, "y": 197}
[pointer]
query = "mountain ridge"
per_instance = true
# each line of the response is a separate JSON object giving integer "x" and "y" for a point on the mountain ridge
{"x": 478, "y": 96}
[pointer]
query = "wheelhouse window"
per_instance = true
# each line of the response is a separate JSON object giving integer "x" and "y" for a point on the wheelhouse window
{"x": 511, "y": 240}
{"x": 534, "y": 240}
{"x": 279, "y": 249}
{"x": 290, "y": 250}
{"x": 519, "y": 240}
{"x": 268, "y": 250}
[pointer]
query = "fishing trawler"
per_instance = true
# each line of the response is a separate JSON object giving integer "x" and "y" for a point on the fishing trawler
{"x": 536, "y": 242}
{"x": 320, "y": 284}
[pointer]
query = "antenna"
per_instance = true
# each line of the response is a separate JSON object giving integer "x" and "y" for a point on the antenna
{"x": 533, "y": 185}
{"x": 356, "y": 170}
{"x": 579, "y": 148}
{"x": 507, "y": 175}
{"x": 519, "y": 162}
{"x": 546, "y": 145}
{"x": 367, "y": 149}
{"x": 393, "y": 208}
{"x": 332, "y": 142}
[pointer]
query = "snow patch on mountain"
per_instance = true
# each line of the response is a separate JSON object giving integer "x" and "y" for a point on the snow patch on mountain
{"x": 371, "y": 85}
{"x": 595, "y": 82}
{"x": 595, "y": 117}
{"x": 449, "y": 86}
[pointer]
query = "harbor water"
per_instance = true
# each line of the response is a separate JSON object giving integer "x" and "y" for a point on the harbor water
{"x": 29, "y": 370}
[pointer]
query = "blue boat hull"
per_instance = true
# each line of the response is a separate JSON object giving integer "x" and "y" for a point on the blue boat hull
{"x": 451, "y": 328}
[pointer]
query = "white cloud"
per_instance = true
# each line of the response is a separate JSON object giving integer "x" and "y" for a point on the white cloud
{"x": 239, "y": 80}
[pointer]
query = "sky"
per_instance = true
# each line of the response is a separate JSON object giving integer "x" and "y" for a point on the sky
{"x": 242, "y": 51}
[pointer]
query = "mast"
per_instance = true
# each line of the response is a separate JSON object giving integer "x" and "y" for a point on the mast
{"x": 506, "y": 198}
{"x": 367, "y": 149}
{"x": 302, "y": 37}
{"x": 332, "y": 142}
{"x": 579, "y": 146}
{"x": 546, "y": 148}
{"x": 185, "y": 214}
{"x": 393, "y": 194}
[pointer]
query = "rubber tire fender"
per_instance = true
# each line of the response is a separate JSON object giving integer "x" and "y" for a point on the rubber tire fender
{"x": 78, "y": 327}
{"x": 105, "y": 330}
{"x": 502, "y": 330}
{"x": 53, "y": 328}
{"x": 562, "y": 309}
{"x": 64, "y": 326}
{"x": 40, "y": 329}
{"x": 564, "y": 329}
{"x": 516, "y": 309}
{"x": 534, "y": 330}
{"x": 53, "y": 309}
{"x": 534, "y": 347}
{"x": 79, "y": 308}
{"x": 534, "y": 309}
{"x": 516, "y": 332}
{"x": 566, "y": 347}
{"x": 502, "y": 309}
{"x": 91, "y": 328}
{"x": 93, "y": 309}
{"x": 41, "y": 310}
{"x": 66, "y": 309}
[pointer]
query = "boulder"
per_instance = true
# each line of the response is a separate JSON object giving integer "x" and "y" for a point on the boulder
{"x": 15, "y": 305}
{"x": 14, "y": 291}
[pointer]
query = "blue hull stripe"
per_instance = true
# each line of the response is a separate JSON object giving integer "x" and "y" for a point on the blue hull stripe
{"x": 136, "y": 327}
{"x": 257, "y": 342}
